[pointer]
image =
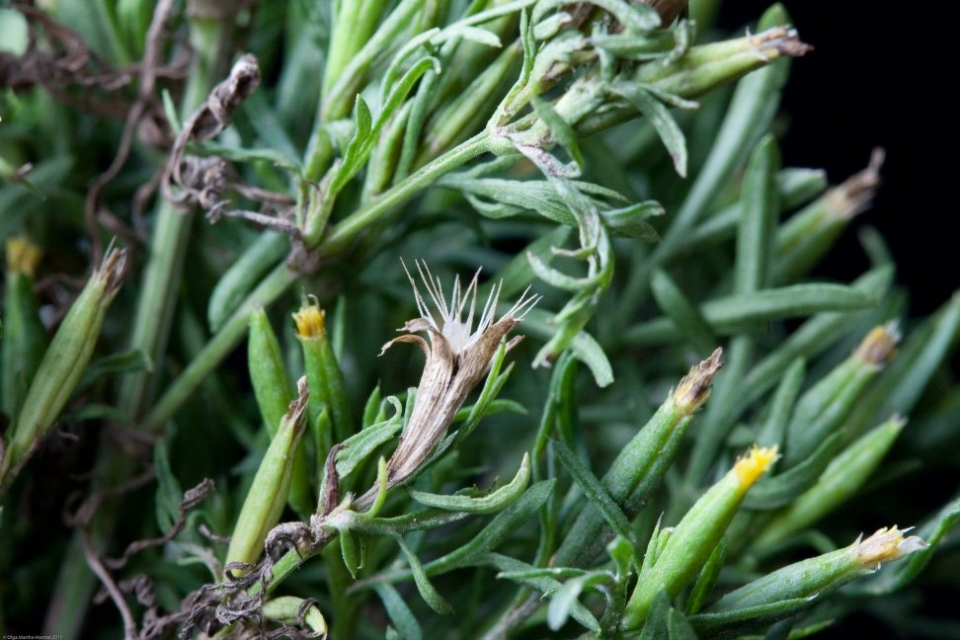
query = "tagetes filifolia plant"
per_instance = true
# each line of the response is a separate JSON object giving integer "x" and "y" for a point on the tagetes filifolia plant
{"x": 681, "y": 446}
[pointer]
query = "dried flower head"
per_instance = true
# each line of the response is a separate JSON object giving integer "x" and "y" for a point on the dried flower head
{"x": 887, "y": 545}
{"x": 458, "y": 357}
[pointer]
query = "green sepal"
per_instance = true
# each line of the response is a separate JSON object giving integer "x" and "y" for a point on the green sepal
{"x": 707, "y": 579}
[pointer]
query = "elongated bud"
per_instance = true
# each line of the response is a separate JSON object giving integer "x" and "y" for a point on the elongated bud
{"x": 640, "y": 467}
{"x": 268, "y": 375}
{"x": 710, "y": 65}
{"x": 823, "y": 409}
{"x": 63, "y": 364}
{"x": 268, "y": 494}
{"x": 808, "y": 234}
{"x": 697, "y": 535}
{"x": 838, "y": 483}
{"x": 274, "y": 393}
{"x": 324, "y": 377}
{"x": 804, "y": 584}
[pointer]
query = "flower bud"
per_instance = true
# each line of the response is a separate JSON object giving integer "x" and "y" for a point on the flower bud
{"x": 823, "y": 409}
{"x": 640, "y": 467}
{"x": 63, "y": 364}
{"x": 268, "y": 494}
{"x": 697, "y": 535}
{"x": 324, "y": 377}
{"x": 804, "y": 584}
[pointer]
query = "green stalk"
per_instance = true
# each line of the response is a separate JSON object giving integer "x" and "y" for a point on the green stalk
{"x": 75, "y": 583}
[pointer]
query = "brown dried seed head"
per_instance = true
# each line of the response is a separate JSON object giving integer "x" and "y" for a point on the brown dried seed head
{"x": 880, "y": 345}
{"x": 694, "y": 388}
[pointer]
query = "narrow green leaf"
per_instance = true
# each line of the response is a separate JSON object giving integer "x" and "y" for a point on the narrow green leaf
{"x": 733, "y": 314}
{"x": 427, "y": 591}
{"x": 774, "y": 427}
{"x": 565, "y": 135}
{"x": 687, "y": 317}
{"x": 595, "y": 492}
{"x": 661, "y": 119}
{"x": 679, "y": 627}
{"x": 169, "y": 494}
{"x": 491, "y": 503}
{"x": 655, "y": 624}
{"x": 760, "y": 207}
{"x": 782, "y": 489}
{"x": 707, "y": 579}
{"x": 240, "y": 279}
{"x": 502, "y": 527}
{"x": 400, "y": 614}
{"x": 513, "y": 569}
{"x": 359, "y": 446}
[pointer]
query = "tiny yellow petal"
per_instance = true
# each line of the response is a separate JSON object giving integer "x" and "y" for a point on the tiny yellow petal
{"x": 22, "y": 256}
{"x": 310, "y": 320}
{"x": 754, "y": 464}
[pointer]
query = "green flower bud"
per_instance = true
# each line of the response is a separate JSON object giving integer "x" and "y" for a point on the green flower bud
{"x": 268, "y": 494}
{"x": 324, "y": 377}
{"x": 268, "y": 375}
{"x": 274, "y": 393}
{"x": 697, "y": 535}
{"x": 641, "y": 465}
{"x": 62, "y": 365}
{"x": 804, "y": 584}
{"x": 822, "y": 409}
{"x": 840, "y": 481}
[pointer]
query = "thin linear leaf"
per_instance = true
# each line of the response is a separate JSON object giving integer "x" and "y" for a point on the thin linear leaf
{"x": 595, "y": 492}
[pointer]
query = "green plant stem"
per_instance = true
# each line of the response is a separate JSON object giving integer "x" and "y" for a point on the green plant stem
{"x": 282, "y": 277}
{"x": 75, "y": 583}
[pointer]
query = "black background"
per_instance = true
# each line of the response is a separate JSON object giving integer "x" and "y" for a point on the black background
{"x": 879, "y": 76}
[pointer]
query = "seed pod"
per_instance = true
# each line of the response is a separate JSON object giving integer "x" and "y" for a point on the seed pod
{"x": 63, "y": 364}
